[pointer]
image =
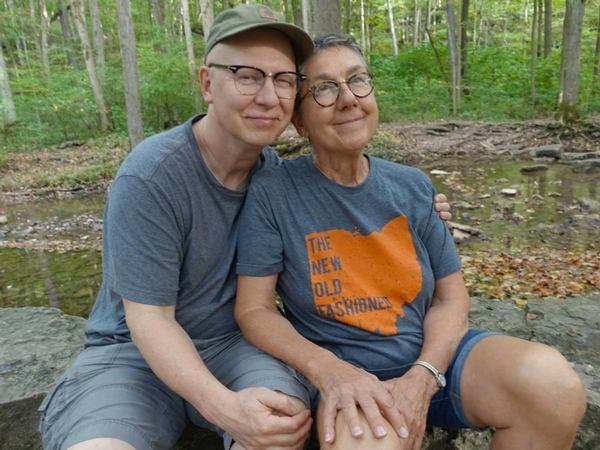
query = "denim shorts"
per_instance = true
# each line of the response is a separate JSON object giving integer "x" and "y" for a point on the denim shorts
{"x": 445, "y": 410}
{"x": 111, "y": 392}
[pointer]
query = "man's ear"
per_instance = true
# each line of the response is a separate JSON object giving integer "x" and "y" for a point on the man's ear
{"x": 299, "y": 124}
{"x": 205, "y": 84}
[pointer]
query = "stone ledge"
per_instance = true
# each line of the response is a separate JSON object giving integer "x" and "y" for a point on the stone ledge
{"x": 37, "y": 344}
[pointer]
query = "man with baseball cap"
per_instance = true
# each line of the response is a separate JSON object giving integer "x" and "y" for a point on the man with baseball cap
{"x": 163, "y": 348}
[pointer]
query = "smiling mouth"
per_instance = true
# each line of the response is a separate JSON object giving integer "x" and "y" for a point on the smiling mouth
{"x": 348, "y": 121}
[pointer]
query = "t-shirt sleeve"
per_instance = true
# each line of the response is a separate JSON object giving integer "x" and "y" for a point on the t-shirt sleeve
{"x": 260, "y": 247}
{"x": 435, "y": 235}
{"x": 142, "y": 248}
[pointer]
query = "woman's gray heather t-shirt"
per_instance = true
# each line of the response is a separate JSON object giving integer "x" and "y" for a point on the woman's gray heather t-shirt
{"x": 357, "y": 265}
{"x": 169, "y": 238}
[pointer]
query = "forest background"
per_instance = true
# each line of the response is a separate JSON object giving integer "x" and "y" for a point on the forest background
{"x": 81, "y": 70}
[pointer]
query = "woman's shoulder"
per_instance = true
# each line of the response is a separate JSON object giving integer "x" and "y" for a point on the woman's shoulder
{"x": 397, "y": 169}
{"x": 282, "y": 170}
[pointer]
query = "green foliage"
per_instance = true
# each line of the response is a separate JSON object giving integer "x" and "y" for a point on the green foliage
{"x": 412, "y": 85}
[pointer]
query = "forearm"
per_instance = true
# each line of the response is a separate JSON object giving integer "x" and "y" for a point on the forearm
{"x": 446, "y": 322}
{"x": 171, "y": 354}
{"x": 273, "y": 333}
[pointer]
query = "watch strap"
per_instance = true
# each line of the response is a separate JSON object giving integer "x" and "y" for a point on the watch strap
{"x": 436, "y": 373}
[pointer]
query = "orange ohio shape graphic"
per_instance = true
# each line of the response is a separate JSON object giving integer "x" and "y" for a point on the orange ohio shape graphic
{"x": 363, "y": 281}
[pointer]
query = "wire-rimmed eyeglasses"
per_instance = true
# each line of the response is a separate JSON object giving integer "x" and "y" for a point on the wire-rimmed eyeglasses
{"x": 249, "y": 80}
{"x": 328, "y": 92}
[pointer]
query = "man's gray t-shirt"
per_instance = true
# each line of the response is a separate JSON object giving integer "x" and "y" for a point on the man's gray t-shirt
{"x": 169, "y": 238}
{"x": 357, "y": 265}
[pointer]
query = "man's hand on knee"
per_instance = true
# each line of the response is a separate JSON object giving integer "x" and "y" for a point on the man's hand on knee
{"x": 260, "y": 418}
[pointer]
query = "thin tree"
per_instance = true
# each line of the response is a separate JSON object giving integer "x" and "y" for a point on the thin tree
{"x": 67, "y": 34}
{"x": 547, "y": 28}
{"x": 157, "y": 10}
{"x": 79, "y": 15}
{"x": 307, "y": 16}
{"x": 464, "y": 21}
{"x": 570, "y": 63}
{"x": 392, "y": 27}
{"x": 133, "y": 103}
{"x": 534, "y": 50}
{"x": 187, "y": 29}
{"x": 363, "y": 34}
{"x": 454, "y": 58}
{"x": 44, "y": 24}
{"x": 8, "y": 113}
{"x": 597, "y": 51}
{"x": 327, "y": 17}
{"x": 97, "y": 33}
{"x": 297, "y": 12}
{"x": 416, "y": 23}
{"x": 208, "y": 15}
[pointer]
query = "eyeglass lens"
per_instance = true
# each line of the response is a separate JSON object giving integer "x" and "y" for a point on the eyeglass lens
{"x": 327, "y": 93}
{"x": 249, "y": 81}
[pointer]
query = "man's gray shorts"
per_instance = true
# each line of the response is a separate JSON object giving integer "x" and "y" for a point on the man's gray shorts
{"x": 111, "y": 392}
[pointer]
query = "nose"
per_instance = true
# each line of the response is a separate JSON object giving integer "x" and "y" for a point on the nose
{"x": 266, "y": 95}
{"x": 346, "y": 96}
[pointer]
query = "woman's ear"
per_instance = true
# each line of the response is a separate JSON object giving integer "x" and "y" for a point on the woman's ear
{"x": 299, "y": 124}
{"x": 205, "y": 84}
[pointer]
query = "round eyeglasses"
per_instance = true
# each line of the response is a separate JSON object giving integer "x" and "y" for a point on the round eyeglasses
{"x": 249, "y": 80}
{"x": 328, "y": 92}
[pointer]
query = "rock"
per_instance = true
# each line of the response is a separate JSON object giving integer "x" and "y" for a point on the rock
{"x": 571, "y": 156}
{"x": 509, "y": 192}
{"x": 464, "y": 205}
{"x": 534, "y": 169}
{"x": 549, "y": 151}
{"x": 586, "y": 166}
{"x": 588, "y": 205}
{"x": 3, "y": 219}
{"x": 38, "y": 344}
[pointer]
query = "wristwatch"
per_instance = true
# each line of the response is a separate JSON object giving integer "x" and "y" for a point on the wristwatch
{"x": 440, "y": 379}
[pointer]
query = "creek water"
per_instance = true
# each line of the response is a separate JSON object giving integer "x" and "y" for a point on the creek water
{"x": 545, "y": 210}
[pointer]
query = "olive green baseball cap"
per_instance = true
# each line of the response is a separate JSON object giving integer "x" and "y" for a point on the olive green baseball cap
{"x": 247, "y": 17}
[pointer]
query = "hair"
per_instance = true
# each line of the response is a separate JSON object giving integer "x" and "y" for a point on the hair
{"x": 326, "y": 42}
{"x": 334, "y": 40}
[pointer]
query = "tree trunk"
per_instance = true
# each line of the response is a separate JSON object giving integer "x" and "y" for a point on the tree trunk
{"x": 454, "y": 58}
{"x": 44, "y": 22}
{"x": 363, "y": 34}
{"x": 570, "y": 62}
{"x": 208, "y": 15}
{"x": 78, "y": 13}
{"x": 297, "y": 12}
{"x": 464, "y": 21}
{"x": 189, "y": 44}
{"x": 540, "y": 26}
{"x": 348, "y": 15}
{"x": 416, "y": 23}
{"x": 157, "y": 8}
{"x": 97, "y": 33}
{"x": 67, "y": 34}
{"x": 534, "y": 50}
{"x": 547, "y": 28}
{"x": 307, "y": 23}
{"x": 8, "y": 113}
{"x": 597, "y": 52}
{"x": 428, "y": 13}
{"x": 133, "y": 102}
{"x": 392, "y": 27}
{"x": 327, "y": 17}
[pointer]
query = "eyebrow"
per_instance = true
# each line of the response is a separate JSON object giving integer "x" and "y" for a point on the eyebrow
{"x": 351, "y": 70}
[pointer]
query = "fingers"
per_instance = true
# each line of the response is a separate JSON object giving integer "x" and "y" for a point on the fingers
{"x": 283, "y": 403}
{"x": 327, "y": 412}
